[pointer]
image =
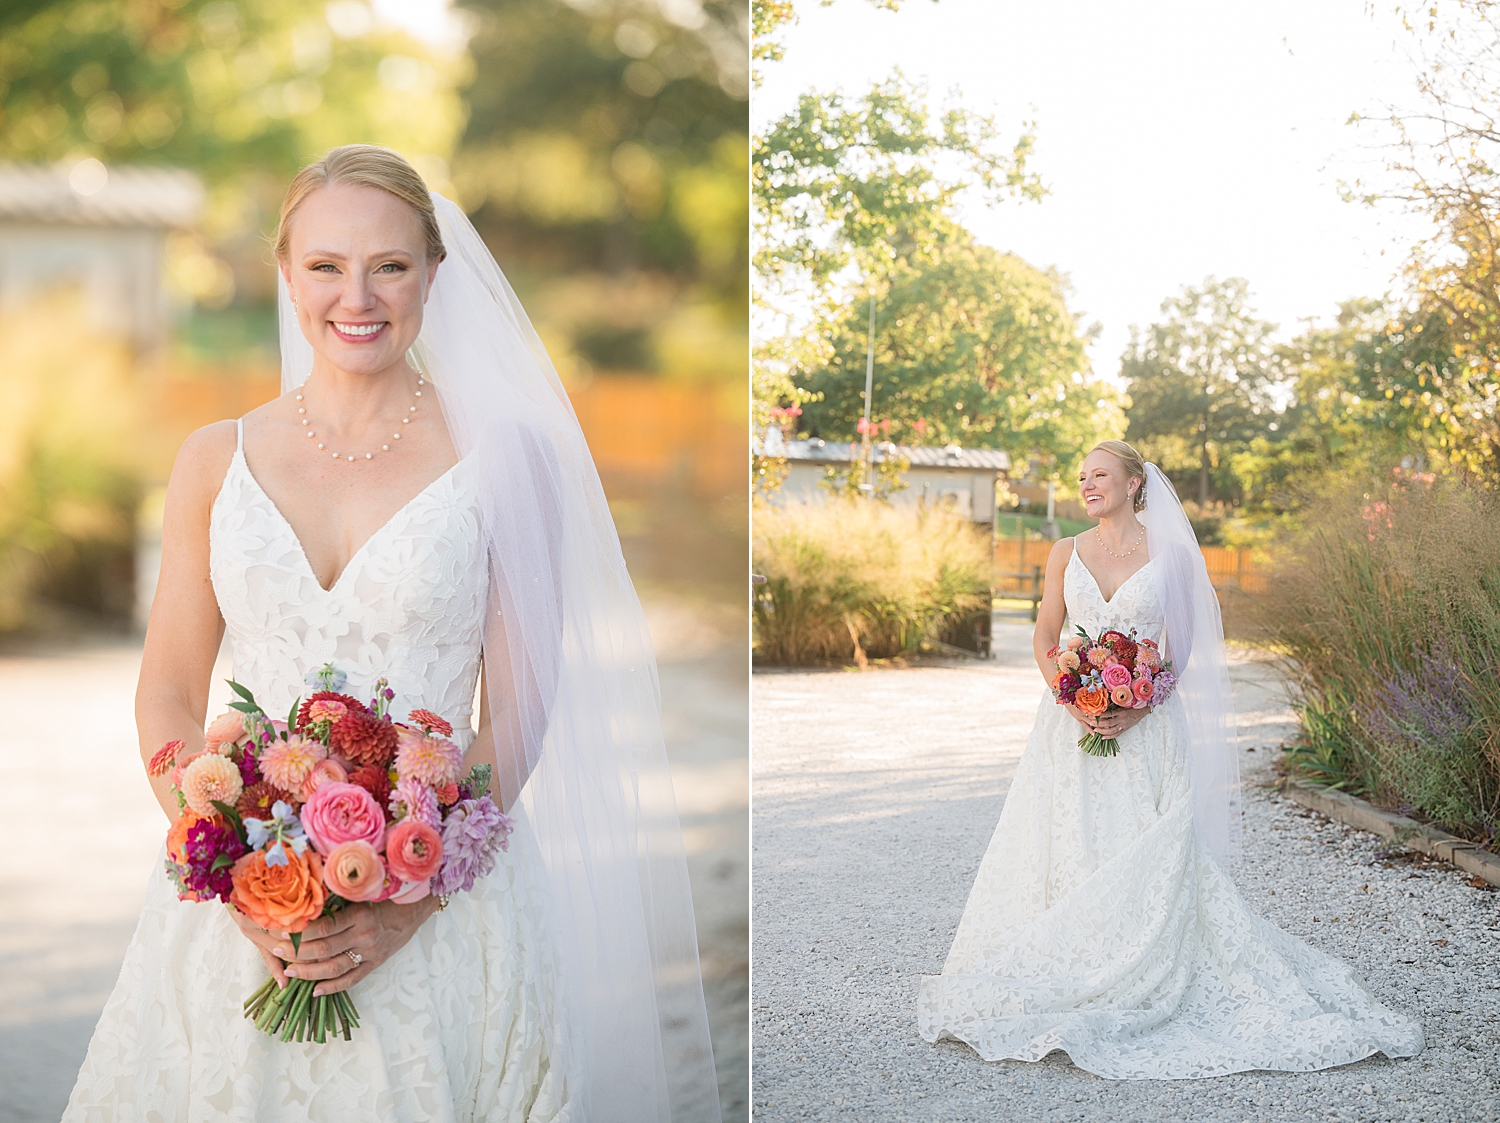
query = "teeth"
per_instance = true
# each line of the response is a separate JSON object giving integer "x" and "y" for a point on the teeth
{"x": 358, "y": 329}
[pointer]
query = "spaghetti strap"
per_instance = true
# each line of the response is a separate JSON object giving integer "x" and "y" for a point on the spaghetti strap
{"x": 239, "y": 434}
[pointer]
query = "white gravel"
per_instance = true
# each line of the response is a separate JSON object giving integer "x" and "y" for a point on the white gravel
{"x": 874, "y": 797}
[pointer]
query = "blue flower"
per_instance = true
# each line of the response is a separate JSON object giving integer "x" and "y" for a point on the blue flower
{"x": 326, "y": 677}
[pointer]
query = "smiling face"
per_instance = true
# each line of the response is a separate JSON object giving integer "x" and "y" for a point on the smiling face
{"x": 1104, "y": 486}
{"x": 357, "y": 267}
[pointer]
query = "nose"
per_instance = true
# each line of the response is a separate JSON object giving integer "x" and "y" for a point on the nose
{"x": 358, "y": 294}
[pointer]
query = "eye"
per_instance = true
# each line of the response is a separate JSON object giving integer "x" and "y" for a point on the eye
{"x": 392, "y": 267}
{"x": 324, "y": 267}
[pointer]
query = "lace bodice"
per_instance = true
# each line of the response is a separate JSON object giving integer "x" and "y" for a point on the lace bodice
{"x": 409, "y": 606}
{"x": 1134, "y": 604}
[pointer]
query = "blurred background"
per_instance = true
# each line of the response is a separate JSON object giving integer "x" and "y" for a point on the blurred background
{"x": 600, "y": 147}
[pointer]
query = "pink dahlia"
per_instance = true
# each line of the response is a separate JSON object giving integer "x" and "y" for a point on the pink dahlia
{"x": 163, "y": 759}
{"x": 410, "y": 799}
{"x": 430, "y": 760}
{"x": 287, "y": 763}
{"x": 211, "y": 777}
{"x": 431, "y": 723}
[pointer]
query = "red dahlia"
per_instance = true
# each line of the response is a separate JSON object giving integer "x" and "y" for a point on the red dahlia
{"x": 431, "y": 723}
{"x": 163, "y": 759}
{"x": 256, "y": 801}
{"x": 363, "y": 738}
{"x": 374, "y": 779}
{"x": 354, "y": 705}
{"x": 1122, "y": 645}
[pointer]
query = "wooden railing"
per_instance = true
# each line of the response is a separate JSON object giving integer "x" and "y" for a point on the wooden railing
{"x": 1021, "y": 567}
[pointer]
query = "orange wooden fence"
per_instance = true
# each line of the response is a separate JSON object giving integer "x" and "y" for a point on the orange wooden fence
{"x": 1017, "y": 563}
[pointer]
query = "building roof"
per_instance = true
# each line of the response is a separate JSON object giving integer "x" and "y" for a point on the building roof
{"x": 918, "y": 456}
{"x": 88, "y": 193}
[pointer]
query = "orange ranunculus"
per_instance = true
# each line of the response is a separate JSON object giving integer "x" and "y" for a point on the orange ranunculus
{"x": 282, "y": 898}
{"x": 1092, "y": 701}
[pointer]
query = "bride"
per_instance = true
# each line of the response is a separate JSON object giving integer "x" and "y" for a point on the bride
{"x": 418, "y": 506}
{"x": 1102, "y": 921}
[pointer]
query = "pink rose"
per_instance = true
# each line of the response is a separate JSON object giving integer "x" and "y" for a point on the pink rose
{"x": 414, "y": 850}
{"x": 1116, "y": 675}
{"x": 1142, "y": 688}
{"x": 337, "y": 813}
{"x": 226, "y": 728}
{"x": 354, "y": 871}
{"x": 1068, "y": 662}
{"x": 327, "y": 771}
{"x": 1121, "y": 696}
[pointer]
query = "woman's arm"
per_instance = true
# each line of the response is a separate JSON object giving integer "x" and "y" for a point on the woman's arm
{"x": 1050, "y": 615}
{"x": 182, "y": 638}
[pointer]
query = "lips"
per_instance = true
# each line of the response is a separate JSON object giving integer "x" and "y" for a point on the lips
{"x": 358, "y": 333}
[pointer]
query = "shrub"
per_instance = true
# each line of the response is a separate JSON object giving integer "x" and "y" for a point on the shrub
{"x": 1389, "y": 605}
{"x": 851, "y": 579}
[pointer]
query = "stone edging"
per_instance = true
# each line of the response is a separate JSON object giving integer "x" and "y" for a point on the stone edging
{"x": 1408, "y": 832}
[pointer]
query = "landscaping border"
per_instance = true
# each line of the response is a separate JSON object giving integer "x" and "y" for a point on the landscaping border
{"x": 1356, "y": 812}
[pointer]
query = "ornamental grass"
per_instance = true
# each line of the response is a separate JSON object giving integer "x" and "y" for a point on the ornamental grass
{"x": 1388, "y": 604}
{"x": 854, "y": 579}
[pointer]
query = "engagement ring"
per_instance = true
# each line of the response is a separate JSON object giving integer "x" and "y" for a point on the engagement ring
{"x": 354, "y": 955}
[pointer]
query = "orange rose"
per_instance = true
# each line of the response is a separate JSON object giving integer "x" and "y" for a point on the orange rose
{"x": 1091, "y": 701}
{"x": 283, "y": 898}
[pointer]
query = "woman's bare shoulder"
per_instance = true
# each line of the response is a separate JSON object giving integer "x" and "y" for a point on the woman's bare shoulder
{"x": 1062, "y": 551}
{"x": 202, "y": 461}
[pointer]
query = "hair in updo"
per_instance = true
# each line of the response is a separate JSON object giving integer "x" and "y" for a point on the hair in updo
{"x": 366, "y": 165}
{"x": 1134, "y": 465}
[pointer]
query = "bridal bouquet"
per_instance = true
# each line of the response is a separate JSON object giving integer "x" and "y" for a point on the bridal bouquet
{"x": 289, "y": 821}
{"x": 1114, "y": 671}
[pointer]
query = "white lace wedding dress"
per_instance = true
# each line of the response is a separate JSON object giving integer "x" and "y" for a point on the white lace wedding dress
{"x": 459, "y": 1024}
{"x": 1099, "y": 926}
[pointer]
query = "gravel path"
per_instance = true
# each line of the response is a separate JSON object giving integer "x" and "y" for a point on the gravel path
{"x": 875, "y": 796}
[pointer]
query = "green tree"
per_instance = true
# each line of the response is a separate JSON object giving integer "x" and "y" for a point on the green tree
{"x": 242, "y": 93}
{"x": 1203, "y": 380}
{"x": 974, "y": 347}
{"x": 1444, "y": 160}
{"x": 856, "y": 181}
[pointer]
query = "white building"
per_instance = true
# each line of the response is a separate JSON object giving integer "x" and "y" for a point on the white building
{"x": 961, "y": 478}
{"x": 101, "y": 229}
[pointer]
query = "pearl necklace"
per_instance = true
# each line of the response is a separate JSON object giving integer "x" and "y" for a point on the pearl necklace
{"x": 1141, "y": 538}
{"x": 396, "y": 436}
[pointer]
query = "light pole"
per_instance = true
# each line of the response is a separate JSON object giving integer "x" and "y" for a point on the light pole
{"x": 868, "y": 487}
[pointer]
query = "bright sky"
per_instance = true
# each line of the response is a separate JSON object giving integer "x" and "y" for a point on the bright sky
{"x": 1179, "y": 139}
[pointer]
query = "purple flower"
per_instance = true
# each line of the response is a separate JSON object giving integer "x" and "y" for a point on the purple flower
{"x": 249, "y": 773}
{"x": 206, "y": 842}
{"x": 474, "y": 830}
{"x": 1162, "y": 686}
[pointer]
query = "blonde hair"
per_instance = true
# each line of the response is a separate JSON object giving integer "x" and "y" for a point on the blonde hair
{"x": 366, "y": 165}
{"x": 1134, "y": 465}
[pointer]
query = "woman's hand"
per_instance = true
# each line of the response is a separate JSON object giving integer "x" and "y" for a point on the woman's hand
{"x": 373, "y": 932}
{"x": 1088, "y": 721}
{"x": 265, "y": 942}
{"x": 1116, "y": 722}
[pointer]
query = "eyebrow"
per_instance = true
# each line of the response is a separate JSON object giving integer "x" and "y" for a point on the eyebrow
{"x": 341, "y": 257}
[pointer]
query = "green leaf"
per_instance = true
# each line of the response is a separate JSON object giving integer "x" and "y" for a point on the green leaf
{"x": 296, "y": 938}
{"x": 245, "y": 707}
{"x": 231, "y": 814}
{"x": 241, "y": 691}
{"x": 223, "y": 861}
{"x": 291, "y": 717}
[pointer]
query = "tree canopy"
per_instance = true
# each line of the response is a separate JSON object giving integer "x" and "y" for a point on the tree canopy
{"x": 971, "y": 346}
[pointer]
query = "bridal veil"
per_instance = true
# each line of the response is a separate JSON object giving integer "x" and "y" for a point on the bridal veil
{"x": 573, "y": 695}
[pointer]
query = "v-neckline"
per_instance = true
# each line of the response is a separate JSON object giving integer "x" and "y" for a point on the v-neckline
{"x": 363, "y": 546}
{"x": 1098, "y": 588}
